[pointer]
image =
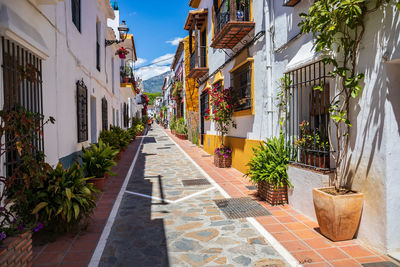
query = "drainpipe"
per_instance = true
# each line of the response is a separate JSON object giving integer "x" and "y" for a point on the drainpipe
{"x": 268, "y": 44}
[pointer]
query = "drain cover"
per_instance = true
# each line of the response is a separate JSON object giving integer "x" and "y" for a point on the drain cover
{"x": 380, "y": 264}
{"x": 195, "y": 182}
{"x": 206, "y": 156}
{"x": 235, "y": 208}
{"x": 166, "y": 147}
{"x": 251, "y": 187}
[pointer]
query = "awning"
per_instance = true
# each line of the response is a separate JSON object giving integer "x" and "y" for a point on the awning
{"x": 16, "y": 28}
{"x": 305, "y": 55}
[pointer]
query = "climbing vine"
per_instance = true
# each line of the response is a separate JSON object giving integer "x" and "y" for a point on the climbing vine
{"x": 338, "y": 27}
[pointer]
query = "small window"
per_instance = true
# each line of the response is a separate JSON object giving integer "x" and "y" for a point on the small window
{"x": 98, "y": 33}
{"x": 82, "y": 105}
{"x": 76, "y": 13}
{"x": 104, "y": 114}
{"x": 241, "y": 83}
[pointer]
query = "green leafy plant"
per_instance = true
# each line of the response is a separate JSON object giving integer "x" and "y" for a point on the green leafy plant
{"x": 123, "y": 136}
{"x": 338, "y": 28}
{"x": 126, "y": 71}
{"x": 19, "y": 131}
{"x": 173, "y": 123}
{"x": 98, "y": 159}
{"x": 110, "y": 138}
{"x": 64, "y": 198}
{"x": 181, "y": 127}
{"x": 270, "y": 162}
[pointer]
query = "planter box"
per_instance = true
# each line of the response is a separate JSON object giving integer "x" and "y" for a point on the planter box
{"x": 319, "y": 161}
{"x": 17, "y": 251}
{"x": 222, "y": 162}
{"x": 181, "y": 136}
{"x": 338, "y": 216}
{"x": 274, "y": 196}
{"x": 97, "y": 182}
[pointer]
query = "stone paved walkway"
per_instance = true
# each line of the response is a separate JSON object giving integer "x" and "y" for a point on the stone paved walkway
{"x": 160, "y": 222}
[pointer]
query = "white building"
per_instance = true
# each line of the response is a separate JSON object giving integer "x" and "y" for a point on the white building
{"x": 254, "y": 63}
{"x": 78, "y": 75}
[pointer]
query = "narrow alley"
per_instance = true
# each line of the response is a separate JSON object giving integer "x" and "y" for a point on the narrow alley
{"x": 168, "y": 217}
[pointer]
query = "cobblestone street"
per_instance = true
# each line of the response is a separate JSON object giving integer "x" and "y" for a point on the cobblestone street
{"x": 162, "y": 222}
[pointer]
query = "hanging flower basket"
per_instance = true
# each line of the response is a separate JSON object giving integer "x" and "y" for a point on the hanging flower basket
{"x": 122, "y": 52}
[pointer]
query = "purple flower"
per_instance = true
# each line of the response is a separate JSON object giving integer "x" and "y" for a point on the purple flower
{"x": 3, "y": 236}
{"x": 20, "y": 227}
{"x": 38, "y": 227}
{"x": 2, "y": 209}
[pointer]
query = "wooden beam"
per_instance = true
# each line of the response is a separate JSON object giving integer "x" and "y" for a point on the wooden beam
{"x": 196, "y": 43}
{"x": 232, "y": 10}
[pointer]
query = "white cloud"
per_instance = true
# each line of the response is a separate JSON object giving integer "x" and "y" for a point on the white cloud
{"x": 148, "y": 72}
{"x": 175, "y": 41}
{"x": 164, "y": 59}
{"x": 140, "y": 61}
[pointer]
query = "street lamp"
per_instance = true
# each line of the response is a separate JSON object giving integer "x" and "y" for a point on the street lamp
{"x": 123, "y": 33}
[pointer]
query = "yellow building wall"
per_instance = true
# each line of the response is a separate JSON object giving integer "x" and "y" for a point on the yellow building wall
{"x": 241, "y": 149}
{"x": 191, "y": 86}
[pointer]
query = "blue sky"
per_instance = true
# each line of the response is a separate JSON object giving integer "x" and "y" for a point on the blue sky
{"x": 157, "y": 26}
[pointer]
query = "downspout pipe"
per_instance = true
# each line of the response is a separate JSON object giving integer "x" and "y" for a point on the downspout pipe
{"x": 269, "y": 50}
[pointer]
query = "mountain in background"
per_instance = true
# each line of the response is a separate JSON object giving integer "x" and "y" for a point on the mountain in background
{"x": 154, "y": 84}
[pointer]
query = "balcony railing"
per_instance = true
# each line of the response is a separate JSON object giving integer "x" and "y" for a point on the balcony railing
{"x": 239, "y": 13}
{"x": 233, "y": 22}
{"x": 198, "y": 63}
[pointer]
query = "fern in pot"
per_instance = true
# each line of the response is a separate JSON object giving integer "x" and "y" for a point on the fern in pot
{"x": 268, "y": 168}
{"x": 97, "y": 162}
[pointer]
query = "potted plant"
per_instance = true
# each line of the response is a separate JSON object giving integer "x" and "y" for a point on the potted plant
{"x": 126, "y": 73}
{"x": 242, "y": 6}
{"x": 222, "y": 103}
{"x": 181, "y": 129}
{"x": 122, "y": 52}
{"x": 97, "y": 161}
{"x": 268, "y": 169}
{"x": 17, "y": 185}
{"x": 173, "y": 125}
{"x": 313, "y": 150}
{"x": 338, "y": 29}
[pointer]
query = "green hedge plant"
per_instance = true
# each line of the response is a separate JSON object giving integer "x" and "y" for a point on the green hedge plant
{"x": 64, "y": 198}
{"x": 98, "y": 160}
{"x": 270, "y": 162}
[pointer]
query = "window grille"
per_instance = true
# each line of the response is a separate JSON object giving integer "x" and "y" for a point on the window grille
{"x": 204, "y": 103}
{"x": 104, "y": 113}
{"x": 241, "y": 83}
{"x": 125, "y": 115}
{"x": 22, "y": 83}
{"x": 82, "y": 111}
{"x": 98, "y": 45}
{"x": 307, "y": 121}
{"x": 76, "y": 13}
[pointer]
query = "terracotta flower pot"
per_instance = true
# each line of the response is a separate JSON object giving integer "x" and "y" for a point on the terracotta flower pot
{"x": 97, "y": 182}
{"x": 338, "y": 216}
{"x": 274, "y": 196}
{"x": 17, "y": 250}
{"x": 119, "y": 156}
{"x": 122, "y": 55}
{"x": 106, "y": 175}
{"x": 221, "y": 162}
{"x": 125, "y": 79}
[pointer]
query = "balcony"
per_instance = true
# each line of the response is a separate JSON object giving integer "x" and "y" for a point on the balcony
{"x": 198, "y": 63}
{"x": 232, "y": 24}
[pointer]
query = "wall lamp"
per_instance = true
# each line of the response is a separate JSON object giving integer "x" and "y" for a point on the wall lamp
{"x": 123, "y": 33}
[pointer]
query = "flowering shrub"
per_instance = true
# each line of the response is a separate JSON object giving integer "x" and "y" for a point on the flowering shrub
{"x": 222, "y": 103}
{"x": 310, "y": 139}
{"x": 223, "y": 151}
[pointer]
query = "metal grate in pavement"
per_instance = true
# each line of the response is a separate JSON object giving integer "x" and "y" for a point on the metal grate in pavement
{"x": 235, "y": 208}
{"x": 251, "y": 187}
{"x": 166, "y": 147}
{"x": 206, "y": 156}
{"x": 195, "y": 182}
{"x": 380, "y": 264}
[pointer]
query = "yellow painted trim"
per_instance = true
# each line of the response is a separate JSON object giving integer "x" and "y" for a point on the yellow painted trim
{"x": 240, "y": 113}
{"x": 218, "y": 77}
{"x": 241, "y": 149}
{"x": 249, "y": 59}
{"x": 194, "y": 3}
{"x": 251, "y": 10}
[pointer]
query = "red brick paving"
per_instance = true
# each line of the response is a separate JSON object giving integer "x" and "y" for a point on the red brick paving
{"x": 76, "y": 250}
{"x": 296, "y": 232}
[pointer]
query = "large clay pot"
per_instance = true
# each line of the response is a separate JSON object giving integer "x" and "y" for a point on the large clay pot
{"x": 338, "y": 216}
{"x": 97, "y": 182}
